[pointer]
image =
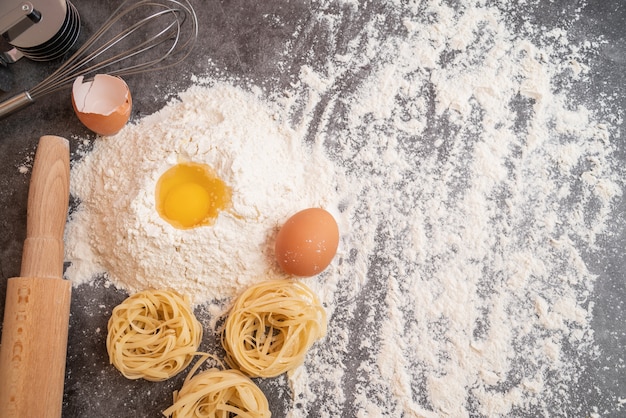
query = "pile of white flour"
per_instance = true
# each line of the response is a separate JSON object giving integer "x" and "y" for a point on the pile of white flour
{"x": 470, "y": 186}
{"x": 117, "y": 231}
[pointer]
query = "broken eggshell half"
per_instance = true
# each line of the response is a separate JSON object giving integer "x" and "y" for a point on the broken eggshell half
{"x": 102, "y": 104}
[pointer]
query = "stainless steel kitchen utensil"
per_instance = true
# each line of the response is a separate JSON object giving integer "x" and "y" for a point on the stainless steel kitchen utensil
{"x": 139, "y": 36}
{"x": 40, "y": 30}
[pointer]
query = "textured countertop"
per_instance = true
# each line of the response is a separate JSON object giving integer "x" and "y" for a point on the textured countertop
{"x": 236, "y": 42}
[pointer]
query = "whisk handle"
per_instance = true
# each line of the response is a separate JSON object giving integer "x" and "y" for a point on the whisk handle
{"x": 15, "y": 103}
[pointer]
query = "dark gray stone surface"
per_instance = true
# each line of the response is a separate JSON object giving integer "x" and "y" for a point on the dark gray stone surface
{"x": 235, "y": 37}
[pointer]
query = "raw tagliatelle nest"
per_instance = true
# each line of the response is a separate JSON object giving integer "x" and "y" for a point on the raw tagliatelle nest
{"x": 218, "y": 394}
{"x": 153, "y": 335}
{"x": 271, "y": 327}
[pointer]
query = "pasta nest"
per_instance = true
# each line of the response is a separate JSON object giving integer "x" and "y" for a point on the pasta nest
{"x": 219, "y": 394}
{"x": 153, "y": 335}
{"x": 271, "y": 326}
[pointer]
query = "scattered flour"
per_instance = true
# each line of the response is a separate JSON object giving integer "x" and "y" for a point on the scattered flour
{"x": 475, "y": 185}
{"x": 27, "y": 165}
{"x": 470, "y": 185}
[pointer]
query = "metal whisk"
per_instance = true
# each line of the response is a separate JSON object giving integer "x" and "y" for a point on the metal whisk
{"x": 139, "y": 36}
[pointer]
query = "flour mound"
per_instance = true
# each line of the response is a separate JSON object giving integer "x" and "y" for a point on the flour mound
{"x": 117, "y": 232}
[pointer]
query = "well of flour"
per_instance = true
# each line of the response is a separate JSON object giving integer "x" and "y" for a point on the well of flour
{"x": 117, "y": 231}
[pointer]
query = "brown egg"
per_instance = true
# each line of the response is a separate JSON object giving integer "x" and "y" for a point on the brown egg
{"x": 307, "y": 242}
{"x": 103, "y": 104}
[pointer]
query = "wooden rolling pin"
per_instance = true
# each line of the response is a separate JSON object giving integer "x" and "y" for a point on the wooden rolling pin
{"x": 36, "y": 314}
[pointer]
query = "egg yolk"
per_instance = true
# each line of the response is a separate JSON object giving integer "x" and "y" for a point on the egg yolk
{"x": 190, "y": 195}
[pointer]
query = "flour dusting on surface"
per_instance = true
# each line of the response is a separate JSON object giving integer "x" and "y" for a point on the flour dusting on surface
{"x": 470, "y": 182}
{"x": 479, "y": 185}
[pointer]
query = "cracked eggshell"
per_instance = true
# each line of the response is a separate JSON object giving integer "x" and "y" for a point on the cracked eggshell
{"x": 103, "y": 104}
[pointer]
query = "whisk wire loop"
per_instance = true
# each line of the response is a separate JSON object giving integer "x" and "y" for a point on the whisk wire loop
{"x": 80, "y": 68}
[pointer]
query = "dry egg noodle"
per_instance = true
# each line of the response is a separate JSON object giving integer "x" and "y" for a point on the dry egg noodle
{"x": 219, "y": 394}
{"x": 271, "y": 327}
{"x": 153, "y": 335}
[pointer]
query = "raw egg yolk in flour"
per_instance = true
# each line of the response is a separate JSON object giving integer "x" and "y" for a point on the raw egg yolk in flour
{"x": 190, "y": 195}
{"x": 307, "y": 242}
